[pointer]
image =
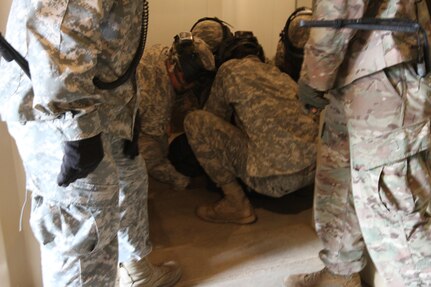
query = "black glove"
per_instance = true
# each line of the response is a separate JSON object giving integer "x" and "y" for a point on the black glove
{"x": 80, "y": 158}
{"x": 311, "y": 97}
{"x": 131, "y": 148}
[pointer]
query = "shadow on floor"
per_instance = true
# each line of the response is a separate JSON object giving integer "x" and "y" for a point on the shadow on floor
{"x": 292, "y": 203}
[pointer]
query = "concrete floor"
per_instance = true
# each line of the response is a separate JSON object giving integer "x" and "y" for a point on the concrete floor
{"x": 281, "y": 242}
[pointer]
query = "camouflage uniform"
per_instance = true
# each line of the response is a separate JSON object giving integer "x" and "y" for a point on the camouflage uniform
{"x": 85, "y": 228}
{"x": 213, "y": 34}
{"x": 159, "y": 102}
{"x": 158, "y": 99}
{"x": 373, "y": 152}
{"x": 271, "y": 147}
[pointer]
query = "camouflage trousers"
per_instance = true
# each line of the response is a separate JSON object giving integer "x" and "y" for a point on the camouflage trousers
{"x": 86, "y": 228}
{"x": 372, "y": 180}
{"x": 221, "y": 149}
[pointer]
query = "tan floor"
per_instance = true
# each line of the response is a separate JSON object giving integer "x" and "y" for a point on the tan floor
{"x": 281, "y": 242}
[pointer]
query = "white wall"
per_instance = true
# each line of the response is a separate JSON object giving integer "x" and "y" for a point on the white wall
{"x": 19, "y": 260}
{"x": 19, "y": 254}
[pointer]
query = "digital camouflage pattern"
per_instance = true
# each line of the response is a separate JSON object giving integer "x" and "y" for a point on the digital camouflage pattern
{"x": 372, "y": 179}
{"x": 272, "y": 144}
{"x": 211, "y": 32}
{"x": 298, "y": 36}
{"x": 51, "y": 36}
{"x": 158, "y": 103}
{"x": 288, "y": 58}
{"x": 85, "y": 228}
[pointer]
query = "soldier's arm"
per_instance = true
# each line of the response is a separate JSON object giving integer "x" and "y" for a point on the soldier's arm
{"x": 156, "y": 101}
{"x": 64, "y": 42}
{"x": 218, "y": 102}
{"x": 326, "y": 47}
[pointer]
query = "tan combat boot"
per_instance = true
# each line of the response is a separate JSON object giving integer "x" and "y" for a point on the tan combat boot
{"x": 144, "y": 274}
{"x": 323, "y": 278}
{"x": 233, "y": 208}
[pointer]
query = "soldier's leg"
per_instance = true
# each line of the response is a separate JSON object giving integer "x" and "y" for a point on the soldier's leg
{"x": 280, "y": 185}
{"x": 334, "y": 214}
{"x": 219, "y": 146}
{"x": 133, "y": 236}
{"x": 389, "y": 131}
{"x": 75, "y": 226}
{"x": 221, "y": 149}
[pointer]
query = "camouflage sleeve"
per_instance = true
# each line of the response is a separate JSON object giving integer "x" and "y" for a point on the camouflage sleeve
{"x": 156, "y": 101}
{"x": 326, "y": 48}
{"x": 62, "y": 53}
{"x": 218, "y": 102}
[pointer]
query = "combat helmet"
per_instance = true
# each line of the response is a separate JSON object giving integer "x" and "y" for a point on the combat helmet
{"x": 212, "y": 31}
{"x": 188, "y": 62}
{"x": 192, "y": 56}
{"x": 242, "y": 44}
{"x": 290, "y": 50}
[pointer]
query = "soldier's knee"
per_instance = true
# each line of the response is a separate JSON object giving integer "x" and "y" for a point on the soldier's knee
{"x": 192, "y": 120}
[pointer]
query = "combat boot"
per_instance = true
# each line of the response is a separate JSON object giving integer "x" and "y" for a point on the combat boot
{"x": 323, "y": 278}
{"x": 233, "y": 208}
{"x": 144, "y": 274}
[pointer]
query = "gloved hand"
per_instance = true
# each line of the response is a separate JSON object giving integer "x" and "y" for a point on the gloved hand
{"x": 310, "y": 97}
{"x": 131, "y": 148}
{"x": 80, "y": 158}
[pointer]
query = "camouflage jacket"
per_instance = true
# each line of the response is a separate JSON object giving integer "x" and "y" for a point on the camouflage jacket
{"x": 156, "y": 93}
{"x": 67, "y": 43}
{"x": 337, "y": 57}
{"x": 158, "y": 101}
{"x": 262, "y": 100}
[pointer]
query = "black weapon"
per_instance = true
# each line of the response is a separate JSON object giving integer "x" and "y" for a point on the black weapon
{"x": 389, "y": 24}
{"x": 10, "y": 54}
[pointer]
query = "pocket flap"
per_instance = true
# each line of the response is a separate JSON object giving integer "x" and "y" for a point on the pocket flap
{"x": 391, "y": 147}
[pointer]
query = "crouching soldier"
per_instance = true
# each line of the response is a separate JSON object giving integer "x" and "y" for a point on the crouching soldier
{"x": 166, "y": 76}
{"x": 253, "y": 128}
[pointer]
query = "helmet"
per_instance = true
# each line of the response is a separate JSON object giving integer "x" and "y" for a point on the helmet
{"x": 192, "y": 56}
{"x": 212, "y": 30}
{"x": 290, "y": 52}
{"x": 242, "y": 44}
